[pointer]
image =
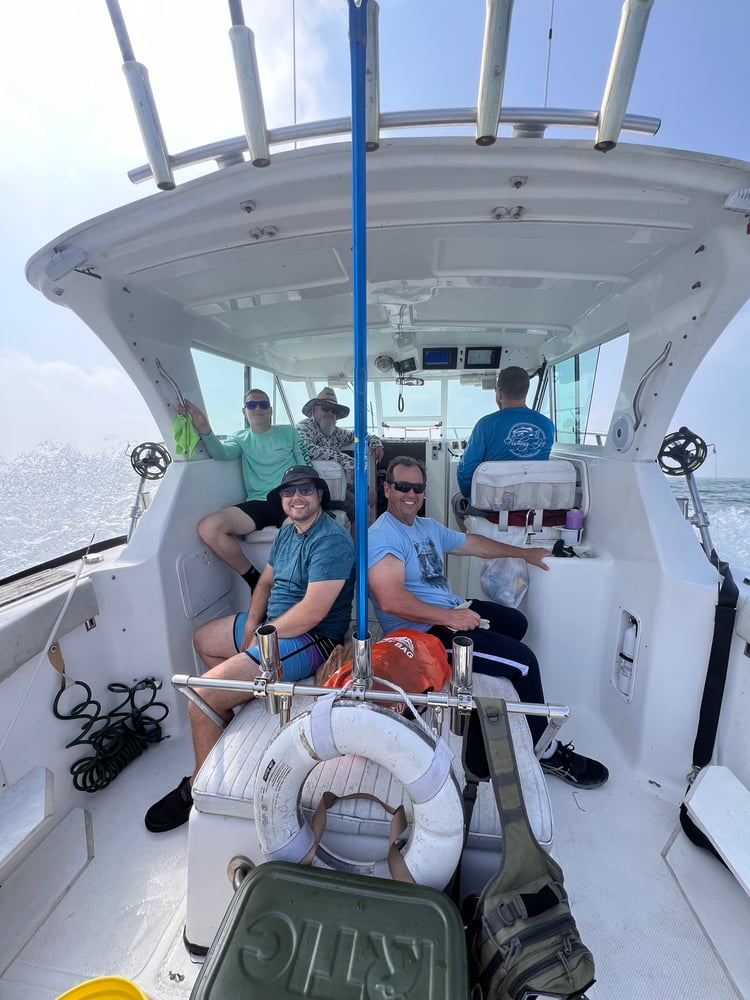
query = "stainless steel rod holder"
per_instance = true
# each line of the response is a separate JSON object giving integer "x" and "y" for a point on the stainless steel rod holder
{"x": 362, "y": 663}
{"x": 268, "y": 647}
{"x": 461, "y": 680}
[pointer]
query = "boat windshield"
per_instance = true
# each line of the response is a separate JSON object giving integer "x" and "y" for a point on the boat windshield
{"x": 578, "y": 394}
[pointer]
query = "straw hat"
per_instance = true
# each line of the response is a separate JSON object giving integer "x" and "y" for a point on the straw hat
{"x": 327, "y": 396}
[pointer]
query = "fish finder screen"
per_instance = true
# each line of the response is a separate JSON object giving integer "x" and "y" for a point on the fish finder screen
{"x": 439, "y": 358}
{"x": 482, "y": 357}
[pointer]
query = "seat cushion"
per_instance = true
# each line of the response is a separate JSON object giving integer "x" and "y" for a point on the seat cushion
{"x": 225, "y": 784}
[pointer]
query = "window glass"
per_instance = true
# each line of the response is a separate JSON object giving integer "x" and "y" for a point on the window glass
{"x": 466, "y": 404}
{"x": 581, "y": 393}
{"x": 222, "y": 385}
{"x": 609, "y": 368}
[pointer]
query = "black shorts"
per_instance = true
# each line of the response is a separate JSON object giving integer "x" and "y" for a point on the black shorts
{"x": 265, "y": 513}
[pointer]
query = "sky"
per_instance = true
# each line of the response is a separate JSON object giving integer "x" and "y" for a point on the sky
{"x": 70, "y": 137}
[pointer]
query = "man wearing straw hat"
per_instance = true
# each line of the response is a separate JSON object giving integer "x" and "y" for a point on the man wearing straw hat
{"x": 324, "y": 441}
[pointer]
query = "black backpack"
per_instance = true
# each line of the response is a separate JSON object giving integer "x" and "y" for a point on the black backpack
{"x": 522, "y": 940}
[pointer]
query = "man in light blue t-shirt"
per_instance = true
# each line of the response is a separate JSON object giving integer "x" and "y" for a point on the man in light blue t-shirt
{"x": 409, "y": 589}
{"x": 515, "y": 433}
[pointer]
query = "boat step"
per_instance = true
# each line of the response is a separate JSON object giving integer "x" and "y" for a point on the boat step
{"x": 719, "y": 805}
{"x": 32, "y": 891}
{"x": 25, "y": 809}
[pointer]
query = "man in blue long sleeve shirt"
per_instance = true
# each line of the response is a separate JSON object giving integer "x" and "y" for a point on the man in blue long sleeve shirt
{"x": 514, "y": 433}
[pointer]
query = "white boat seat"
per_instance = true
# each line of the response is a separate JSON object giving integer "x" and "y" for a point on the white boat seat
{"x": 507, "y": 495}
{"x": 222, "y": 822}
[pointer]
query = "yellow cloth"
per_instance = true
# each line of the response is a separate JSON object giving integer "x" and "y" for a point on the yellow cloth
{"x": 186, "y": 437}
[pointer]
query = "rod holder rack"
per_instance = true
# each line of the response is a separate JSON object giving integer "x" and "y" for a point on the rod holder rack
{"x": 186, "y": 684}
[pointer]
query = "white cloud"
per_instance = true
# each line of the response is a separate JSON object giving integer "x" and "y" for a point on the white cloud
{"x": 58, "y": 401}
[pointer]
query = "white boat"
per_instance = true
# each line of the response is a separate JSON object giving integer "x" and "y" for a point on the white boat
{"x": 608, "y": 278}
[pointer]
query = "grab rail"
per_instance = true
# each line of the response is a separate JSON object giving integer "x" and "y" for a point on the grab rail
{"x": 526, "y": 123}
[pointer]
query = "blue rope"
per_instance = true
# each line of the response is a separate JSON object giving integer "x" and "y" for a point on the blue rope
{"x": 358, "y": 52}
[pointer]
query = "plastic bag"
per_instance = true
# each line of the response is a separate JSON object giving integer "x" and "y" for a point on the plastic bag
{"x": 505, "y": 581}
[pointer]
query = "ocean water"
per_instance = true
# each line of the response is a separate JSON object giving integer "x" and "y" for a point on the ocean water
{"x": 54, "y": 500}
{"x": 727, "y": 506}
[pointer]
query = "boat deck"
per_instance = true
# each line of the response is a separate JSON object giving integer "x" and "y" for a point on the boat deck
{"x": 124, "y": 914}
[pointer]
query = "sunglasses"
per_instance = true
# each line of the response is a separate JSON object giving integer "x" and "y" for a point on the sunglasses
{"x": 327, "y": 409}
{"x": 253, "y": 404}
{"x": 304, "y": 489}
{"x": 404, "y": 487}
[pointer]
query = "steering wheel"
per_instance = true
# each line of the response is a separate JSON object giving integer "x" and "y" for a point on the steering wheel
{"x": 150, "y": 460}
{"x": 681, "y": 453}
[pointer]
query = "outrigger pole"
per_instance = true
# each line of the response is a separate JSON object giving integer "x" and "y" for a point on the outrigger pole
{"x": 362, "y": 665}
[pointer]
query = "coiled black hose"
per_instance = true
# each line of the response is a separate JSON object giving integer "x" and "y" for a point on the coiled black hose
{"x": 117, "y": 737}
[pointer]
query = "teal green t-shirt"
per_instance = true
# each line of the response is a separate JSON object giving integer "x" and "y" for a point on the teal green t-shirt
{"x": 265, "y": 457}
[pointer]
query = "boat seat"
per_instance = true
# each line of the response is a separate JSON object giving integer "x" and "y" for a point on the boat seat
{"x": 532, "y": 497}
{"x": 222, "y": 823}
{"x": 257, "y": 545}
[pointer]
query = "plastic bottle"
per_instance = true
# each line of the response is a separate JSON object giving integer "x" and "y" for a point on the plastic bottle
{"x": 574, "y": 519}
{"x": 626, "y": 658}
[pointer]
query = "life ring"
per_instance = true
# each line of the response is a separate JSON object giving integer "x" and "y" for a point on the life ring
{"x": 332, "y": 729}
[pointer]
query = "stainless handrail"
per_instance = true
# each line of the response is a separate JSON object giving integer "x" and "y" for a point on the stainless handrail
{"x": 526, "y": 121}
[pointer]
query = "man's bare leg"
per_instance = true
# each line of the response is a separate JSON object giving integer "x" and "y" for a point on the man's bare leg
{"x": 214, "y": 641}
{"x": 218, "y": 530}
{"x": 204, "y": 732}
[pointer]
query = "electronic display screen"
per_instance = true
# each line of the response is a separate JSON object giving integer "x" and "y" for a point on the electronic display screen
{"x": 439, "y": 358}
{"x": 482, "y": 357}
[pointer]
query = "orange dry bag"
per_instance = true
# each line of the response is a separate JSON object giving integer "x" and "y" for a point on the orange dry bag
{"x": 414, "y": 660}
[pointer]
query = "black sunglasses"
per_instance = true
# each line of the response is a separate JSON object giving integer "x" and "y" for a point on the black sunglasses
{"x": 404, "y": 487}
{"x": 304, "y": 489}
{"x": 327, "y": 409}
{"x": 252, "y": 404}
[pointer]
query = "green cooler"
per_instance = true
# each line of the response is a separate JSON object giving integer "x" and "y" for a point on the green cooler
{"x": 293, "y": 932}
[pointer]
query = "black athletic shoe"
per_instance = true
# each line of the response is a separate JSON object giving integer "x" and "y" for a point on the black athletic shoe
{"x": 583, "y": 772}
{"x": 171, "y": 811}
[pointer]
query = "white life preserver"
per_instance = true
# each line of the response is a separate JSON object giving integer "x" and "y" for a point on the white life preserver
{"x": 332, "y": 729}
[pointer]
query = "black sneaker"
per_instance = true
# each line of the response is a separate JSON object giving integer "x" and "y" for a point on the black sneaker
{"x": 171, "y": 811}
{"x": 583, "y": 772}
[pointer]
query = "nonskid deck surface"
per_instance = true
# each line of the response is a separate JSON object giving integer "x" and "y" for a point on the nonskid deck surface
{"x": 125, "y": 914}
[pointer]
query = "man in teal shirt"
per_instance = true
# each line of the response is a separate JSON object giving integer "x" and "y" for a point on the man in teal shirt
{"x": 265, "y": 453}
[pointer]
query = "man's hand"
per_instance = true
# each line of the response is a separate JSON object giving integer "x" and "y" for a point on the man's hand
{"x": 199, "y": 418}
{"x": 461, "y": 618}
{"x": 248, "y": 635}
{"x": 536, "y": 557}
{"x": 377, "y": 451}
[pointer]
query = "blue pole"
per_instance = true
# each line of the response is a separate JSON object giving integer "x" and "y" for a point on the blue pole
{"x": 358, "y": 52}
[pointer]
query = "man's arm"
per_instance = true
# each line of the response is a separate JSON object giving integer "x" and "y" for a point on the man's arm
{"x": 309, "y": 440}
{"x": 220, "y": 450}
{"x": 300, "y": 454}
{"x": 310, "y": 611}
{"x": 473, "y": 455}
{"x": 487, "y": 548}
{"x": 386, "y": 581}
{"x": 256, "y": 613}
